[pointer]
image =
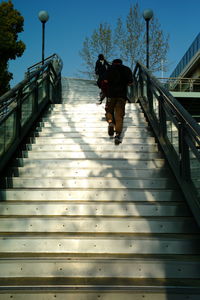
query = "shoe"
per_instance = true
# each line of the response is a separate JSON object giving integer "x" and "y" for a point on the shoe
{"x": 111, "y": 129}
{"x": 128, "y": 100}
{"x": 117, "y": 139}
{"x": 99, "y": 102}
{"x": 102, "y": 96}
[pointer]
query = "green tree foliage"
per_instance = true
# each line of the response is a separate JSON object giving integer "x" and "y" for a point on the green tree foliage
{"x": 127, "y": 41}
{"x": 11, "y": 24}
{"x": 100, "y": 42}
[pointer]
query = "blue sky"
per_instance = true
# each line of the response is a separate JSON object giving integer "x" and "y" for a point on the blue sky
{"x": 71, "y": 21}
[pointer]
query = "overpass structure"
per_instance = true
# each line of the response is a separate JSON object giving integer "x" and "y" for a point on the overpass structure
{"x": 82, "y": 218}
{"x": 184, "y": 82}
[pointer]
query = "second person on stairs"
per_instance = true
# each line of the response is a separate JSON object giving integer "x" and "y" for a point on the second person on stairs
{"x": 101, "y": 67}
{"x": 117, "y": 78}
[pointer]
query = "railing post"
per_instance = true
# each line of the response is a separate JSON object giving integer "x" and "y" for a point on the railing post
{"x": 59, "y": 89}
{"x": 19, "y": 113}
{"x": 48, "y": 84}
{"x": 184, "y": 154}
{"x": 35, "y": 95}
{"x": 135, "y": 92}
{"x": 140, "y": 86}
{"x": 149, "y": 95}
{"x": 162, "y": 118}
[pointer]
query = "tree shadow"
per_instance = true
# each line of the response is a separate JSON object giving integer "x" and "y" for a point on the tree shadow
{"x": 130, "y": 180}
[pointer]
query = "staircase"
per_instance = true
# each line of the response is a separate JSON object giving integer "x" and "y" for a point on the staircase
{"x": 84, "y": 219}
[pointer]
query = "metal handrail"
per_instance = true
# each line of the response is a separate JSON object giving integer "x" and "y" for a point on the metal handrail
{"x": 176, "y": 131}
{"x": 21, "y": 107}
{"x": 39, "y": 64}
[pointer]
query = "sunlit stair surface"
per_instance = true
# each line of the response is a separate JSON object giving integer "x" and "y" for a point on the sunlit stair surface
{"x": 84, "y": 219}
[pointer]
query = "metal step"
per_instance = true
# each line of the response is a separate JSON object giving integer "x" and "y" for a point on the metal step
{"x": 86, "y": 129}
{"x": 99, "y": 208}
{"x": 107, "y": 245}
{"x": 84, "y": 134}
{"x": 91, "y": 141}
{"x": 105, "y": 292}
{"x": 84, "y": 219}
{"x": 111, "y": 164}
{"x": 98, "y": 155}
{"x": 94, "y": 147}
{"x": 89, "y": 124}
{"x": 148, "y": 195}
{"x": 100, "y": 268}
{"x": 65, "y": 172}
{"x": 98, "y": 118}
{"x": 91, "y": 183}
{"x": 79, "y": 225}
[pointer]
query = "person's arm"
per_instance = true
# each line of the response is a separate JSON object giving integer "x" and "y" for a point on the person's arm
{"x": 96, "y": 68}
{"x": 106, "y": 63}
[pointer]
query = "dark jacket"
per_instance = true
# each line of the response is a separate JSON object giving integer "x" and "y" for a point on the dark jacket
{"x": 101, "y": 68}
{"x": 118, "y": 77}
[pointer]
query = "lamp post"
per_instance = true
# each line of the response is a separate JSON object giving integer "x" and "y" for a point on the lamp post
{"x": 147, "y": 15}
{"x": 43, "y": 17}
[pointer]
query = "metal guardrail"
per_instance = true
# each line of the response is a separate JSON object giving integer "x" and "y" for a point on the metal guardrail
{"x": 22, "y": 105}
{"x": 176, "y": 131}
{"x": 181, "y": 84}
{"x": 54, "y": 59}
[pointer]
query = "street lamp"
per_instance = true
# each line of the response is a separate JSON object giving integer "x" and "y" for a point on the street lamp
{"x": 43, "y": 17}
{"x": 147, "y": 15}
